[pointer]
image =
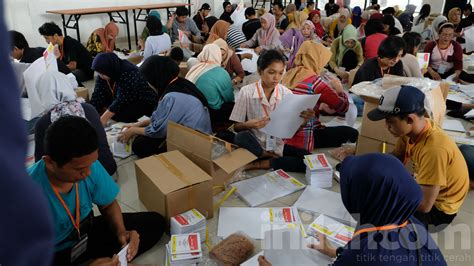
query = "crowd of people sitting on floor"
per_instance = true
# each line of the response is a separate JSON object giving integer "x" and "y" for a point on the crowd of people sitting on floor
{"x": 301, "y": 50}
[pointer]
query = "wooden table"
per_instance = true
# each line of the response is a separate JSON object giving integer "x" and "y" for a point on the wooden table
{"x": 118, "y": 14}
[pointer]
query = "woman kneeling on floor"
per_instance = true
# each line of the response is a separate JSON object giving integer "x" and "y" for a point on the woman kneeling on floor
{"x": 180, "y": 102}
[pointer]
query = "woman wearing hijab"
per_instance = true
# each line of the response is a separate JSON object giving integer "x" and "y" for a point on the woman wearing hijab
{"x": 58, "y": 98}
{"x": 454, "y": 17}
{"x": 308, "y": 32}
{"x": 315, "y": 17}
{"x": 103, "y": 39}
{"x": 231, "y": 62}
{"x": 299, "y": 19}
{"x": 146, "y": 32}
{"x": 304, "y": 78}
{"x": 382, "y": 197}
{"x": 121, "y": 93}
{"x": 218, "y": 31}
{"x": 346, "y": 52}
{"x": 291, "y": 41}
{"x": 267, "y": 37}
{"x": 438, "y": 21}
{"x": 158, "y": 42}
{"x": 179, "y": 101}
{"x": 214, "y": 82}
{"x": 356, "y": 16}
{"x": 227, "y": 12}
{"x": 406, "y": 18}
{"x": 340, "y": 23}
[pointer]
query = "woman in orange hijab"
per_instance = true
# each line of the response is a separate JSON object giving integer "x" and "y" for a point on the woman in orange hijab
{"x": 103, "y": 39}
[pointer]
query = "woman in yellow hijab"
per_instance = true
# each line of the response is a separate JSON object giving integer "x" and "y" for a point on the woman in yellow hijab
{"x": 298, "y": 21}
{"x": 305, "y": 78}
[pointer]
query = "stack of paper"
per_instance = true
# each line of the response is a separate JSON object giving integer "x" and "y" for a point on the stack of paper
{"x": 191, "y": 221}
{"x": 469, "y": 114}
{"x": 270, "y": 186}
{"x": 321, "y": 201}
{"x": 184, "y": 250}
{"x": 336, "y": 232}
{"x": 318, "y": 170}
{"x": 254, "y": 222}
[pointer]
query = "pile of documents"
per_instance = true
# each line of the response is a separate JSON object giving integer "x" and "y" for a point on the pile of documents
{"x": 336, "y": 232}
{"x": 184, "y": 250}
{"x": 318, "y": 170}
{"x": 191, "y": 221}
{"x": 270, "y": 186}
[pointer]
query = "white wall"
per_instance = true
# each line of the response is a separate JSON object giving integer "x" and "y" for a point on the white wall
{"x": 26, "y": 16}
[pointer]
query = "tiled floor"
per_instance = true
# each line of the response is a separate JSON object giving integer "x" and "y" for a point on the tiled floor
{"x": 455, "y": 242}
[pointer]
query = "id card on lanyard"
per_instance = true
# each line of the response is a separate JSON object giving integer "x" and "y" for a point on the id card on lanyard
{"x": 80, "y": 247}
{"x": 443, "y": 67}
{"x": 271, "y": 141}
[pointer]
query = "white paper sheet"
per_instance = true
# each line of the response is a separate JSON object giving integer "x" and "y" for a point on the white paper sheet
{"x": 238, "y": 15}
{"x": 469, "y": 114}
{"x": 250, "y": 65}
{"x": 288, "y": 247}
{"x": 254, "y": 222}
{"x": 469, "y": 37}
{"x": 50, "y": 58}
{"x": 452, "y": 124}
{"x": 322, "y": 201}
{"x": 31, "y": 75}
{"x": 423, "y": 60}
{"x": 253, "y": 261}
{"x": 286, "y": 120}
{"x": 123, "y": 256}
{"x": 265, "y": 188}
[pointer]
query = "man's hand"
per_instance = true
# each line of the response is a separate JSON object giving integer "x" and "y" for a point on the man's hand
{"x": 323, "y": 246}
{"x": 262, "y": 261}
{"x": 133, "y": 239}
{"x": 258, "y": 50}
{"x": 126, "y": 134}
{"x": 337, "y": 85}
{"x": 435, "y": 75}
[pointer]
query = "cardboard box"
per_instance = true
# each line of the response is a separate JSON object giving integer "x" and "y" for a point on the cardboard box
{"x": 370, "y": 145}
{"x": 374, "y": 129}
{"x": 216, "y": 157}
{"x": 171, "y": 184}
{"x": 183, "y": 69}
{"x": 83, "y": 93}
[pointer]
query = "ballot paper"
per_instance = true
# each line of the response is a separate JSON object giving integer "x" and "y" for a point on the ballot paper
{"x": 185, "y": 244}
{"x": 288, "y": 247}
{"x": 255, "y": 221}
{"x": 270, "y": 186}
{"x": 322, "y": 201}
{"x": 249, "y": 65}
{"x": 182, "y": 37}
{"x": 123, "y": 256}
{"x": 50, "y": 58}
{"x": 319, "y": 171}
{"x": 452, "y": 124}
{"x": 286, "y": 120}
{"x": 423, "y": 60}
{"x": 469, "y": 37}
{"x": 238, "y": 15}
{"x": 31, "y": 75}
{"x": 469, "y": 114}
{"x": 120, "y": 149}
{"x": 253, "y": 261}
{"x": 336, "y": 232}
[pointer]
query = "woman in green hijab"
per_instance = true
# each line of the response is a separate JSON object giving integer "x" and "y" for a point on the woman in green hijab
{"x": 347, "y": 53}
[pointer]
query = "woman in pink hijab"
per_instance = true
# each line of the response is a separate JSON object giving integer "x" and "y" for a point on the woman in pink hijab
{"x": 267, "y": 37}
{"x": 103, "y": 39}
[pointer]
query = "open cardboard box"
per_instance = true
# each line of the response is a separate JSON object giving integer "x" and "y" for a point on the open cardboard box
{"x": 82, "y": 92}
{"x": 170, "y": 184}
{"x": 216, "y": 157}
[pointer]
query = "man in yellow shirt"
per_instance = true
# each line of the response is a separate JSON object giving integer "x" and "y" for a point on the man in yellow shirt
{"x": 439, "y": 167}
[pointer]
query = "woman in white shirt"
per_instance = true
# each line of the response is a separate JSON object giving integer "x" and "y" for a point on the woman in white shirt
{"x": 158, "y": 42}
{"x": 252, "y": 111}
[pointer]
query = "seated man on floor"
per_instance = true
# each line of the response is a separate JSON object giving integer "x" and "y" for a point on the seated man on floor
{"x": 72, "y": 180}
{"x": 72, "y": 53}
{"x": 439, "y": 167}
{"x": 181, "y": 21}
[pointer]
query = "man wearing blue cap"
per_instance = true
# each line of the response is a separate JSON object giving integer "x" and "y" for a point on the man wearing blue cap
{"x": 439, "y": 167}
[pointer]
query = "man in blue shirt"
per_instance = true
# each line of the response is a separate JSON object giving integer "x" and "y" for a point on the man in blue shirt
{"x": 72, "y": 180}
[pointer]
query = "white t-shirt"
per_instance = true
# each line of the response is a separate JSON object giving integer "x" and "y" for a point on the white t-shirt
{"x": 155, "y": 45}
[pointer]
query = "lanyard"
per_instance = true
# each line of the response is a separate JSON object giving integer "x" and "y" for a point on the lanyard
{"x": 261, "y": 100}
{"x": 409, "y": 146}
{"x": 76, "y": 222}
{"x": 173, "y": 80}
{"x": 444, "y": 56}
{"x": 112, "y": 89}
{"x": 380, "y": 228}
{"x": 381, "y": 70}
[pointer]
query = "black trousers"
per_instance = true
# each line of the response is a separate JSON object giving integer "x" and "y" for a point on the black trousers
{"x": 464, "y": 76}
{"x": 144, "y": 146}
{"x": 435, "y": 220}
{"x": 103, "y": 242}
{"x": 334, "y": 136}
{"x": 82, "y": 75}
{"x": 222, "y": 115}
{"x": 132, "y": 112}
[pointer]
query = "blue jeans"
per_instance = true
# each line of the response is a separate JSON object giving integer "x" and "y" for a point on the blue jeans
{"x": 359, "y": 102}
{"x": 291, "y": 161}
